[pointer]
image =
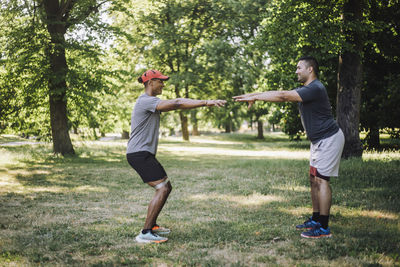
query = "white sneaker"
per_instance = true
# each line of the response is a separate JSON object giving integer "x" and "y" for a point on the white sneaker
{"x": 159, "y": 230}
{"x": 150, "y": 237}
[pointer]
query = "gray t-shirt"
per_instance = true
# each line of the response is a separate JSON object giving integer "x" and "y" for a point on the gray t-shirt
{"x": 145, "y": 123}
{"x": 316, "y": 111}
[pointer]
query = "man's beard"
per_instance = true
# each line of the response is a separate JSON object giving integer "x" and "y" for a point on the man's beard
{"x": 300, "y": 79}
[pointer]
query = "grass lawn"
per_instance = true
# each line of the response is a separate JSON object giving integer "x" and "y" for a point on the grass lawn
{"x": 235, "y": 202}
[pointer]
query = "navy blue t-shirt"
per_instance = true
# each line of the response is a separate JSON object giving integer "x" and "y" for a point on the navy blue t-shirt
{"x": 316, "y": 111}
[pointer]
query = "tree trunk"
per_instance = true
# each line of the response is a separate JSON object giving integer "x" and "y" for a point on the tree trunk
{"x": 260, "y": 129}
{"x": 59, "y": 128}
{"x": 195, "y": 131}
{"x": 372, "y": 138}
{"x": 184, "y": 125}
{"x": 125, "y": 134}
{"x": 182, "y": 115}
{"x": 350, "y": 81}
{"x": 95, "y": 134}
{"x": 195, "y": 122}
{"x": 57, "y": 83}
{"x": 228, "y": 126}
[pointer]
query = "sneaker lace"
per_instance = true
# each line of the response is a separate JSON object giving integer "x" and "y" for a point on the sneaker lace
{"x": 308, "y": 220}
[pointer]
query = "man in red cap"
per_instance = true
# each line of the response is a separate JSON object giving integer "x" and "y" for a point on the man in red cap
{"x": 142, "y": 147}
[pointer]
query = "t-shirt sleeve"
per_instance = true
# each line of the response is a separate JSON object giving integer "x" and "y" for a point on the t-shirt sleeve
{"x": 308, "y": 93}
{"x": 149, "y": 103}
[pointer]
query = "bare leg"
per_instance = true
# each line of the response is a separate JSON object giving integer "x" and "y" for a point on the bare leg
{"x": 157, "y": 203}
{"x": 314, "y": 194}
{"x": 325, "y": 196}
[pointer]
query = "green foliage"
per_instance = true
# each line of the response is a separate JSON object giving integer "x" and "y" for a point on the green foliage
{"x": 169, "y": 36}
{"x": 295, "y": 28}
{"x": 291, "y": 121}
{"x": 381, "y": 93}
{"x": 25, "y": 68}
{"x": 23, "y": 71}
{"x": 208, "y": 53}
{"x": 211, "y": 49}
{"x": 292, "y": 29}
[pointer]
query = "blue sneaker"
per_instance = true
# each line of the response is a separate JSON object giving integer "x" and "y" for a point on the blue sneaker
{"x": 317, "y": 232}
{"x": 307, "y": 225}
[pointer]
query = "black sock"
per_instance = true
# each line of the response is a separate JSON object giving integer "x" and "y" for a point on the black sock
{"x": 323, "y": 220}
{"x": 145, "y": 231}
{"x": 315, "y": 216}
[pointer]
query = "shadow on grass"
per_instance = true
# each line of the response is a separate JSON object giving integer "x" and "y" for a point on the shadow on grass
{"x": 264, "y": 228}
{"x": 90, "y": 167}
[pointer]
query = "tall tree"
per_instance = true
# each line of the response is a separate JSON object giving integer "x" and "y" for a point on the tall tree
{"x": 292, "y": 29}
{"x": 350, "y": 78}
{"x": 57, "y": 16}
{"x": 364, "y": 35}
{"x": 381, "y": 71}
{"x": 45, "y": 26}
{"x": 252, "y": 60}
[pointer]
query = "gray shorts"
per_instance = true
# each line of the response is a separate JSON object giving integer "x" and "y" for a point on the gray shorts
{"x": 326, "y": 154}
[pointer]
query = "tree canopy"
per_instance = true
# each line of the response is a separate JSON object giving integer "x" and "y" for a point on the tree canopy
{"x": 72, "y": 65}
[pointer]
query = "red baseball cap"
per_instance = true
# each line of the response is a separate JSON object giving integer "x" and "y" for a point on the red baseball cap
{"x": 153, "y": 74}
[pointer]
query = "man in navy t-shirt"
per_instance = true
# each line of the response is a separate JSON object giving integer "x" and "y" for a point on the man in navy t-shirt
{"x": 327, "y": 140}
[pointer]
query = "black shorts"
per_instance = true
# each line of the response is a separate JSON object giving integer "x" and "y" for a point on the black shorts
{"x": 147, "y": 166}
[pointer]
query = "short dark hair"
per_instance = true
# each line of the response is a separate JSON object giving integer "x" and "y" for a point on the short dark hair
{"x": 311, "y": 61}
{"x": 140, "y": 80}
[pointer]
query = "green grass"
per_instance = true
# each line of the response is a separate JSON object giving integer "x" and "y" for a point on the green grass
{"x": 235, "y": 202}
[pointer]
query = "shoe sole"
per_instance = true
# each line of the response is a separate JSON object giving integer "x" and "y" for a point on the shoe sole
{"x": 140, "y": 240}
{"x": 316, "y": 237}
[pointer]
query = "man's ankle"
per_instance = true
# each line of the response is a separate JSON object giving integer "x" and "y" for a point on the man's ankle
{"x": 145, "y": 231}
{"x": 324, "y": 220}
{"x": 315, "y": 216}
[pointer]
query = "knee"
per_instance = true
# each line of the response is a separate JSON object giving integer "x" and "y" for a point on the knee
{"x": 169, "y": 187}
{"x": 166, "y": 189}
{"x": 314, "y": 181}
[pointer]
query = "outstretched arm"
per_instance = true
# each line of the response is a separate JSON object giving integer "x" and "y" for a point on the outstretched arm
{"x": 187, "y": 103}
{"x": 271, "y": 96}
{"x": 249, "y": 94}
